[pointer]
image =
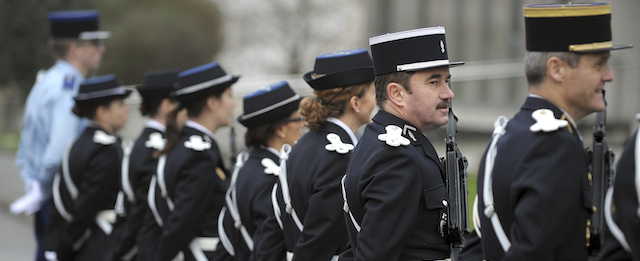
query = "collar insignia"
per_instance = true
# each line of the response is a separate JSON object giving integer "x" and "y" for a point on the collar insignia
{"x": 103, "y": 138}
{"x": 546, "y": 122}
{"x": 270, "y": 167}
{"x": 393, "y": 137}
{"x": 220, "y": 173}
{"x": 155, "y": 141}
{"x": 335, "y": 144}
{"x": 196, "y": 143}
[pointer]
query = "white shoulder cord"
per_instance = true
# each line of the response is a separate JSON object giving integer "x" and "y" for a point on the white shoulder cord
{"x": 71, "y": 187}
{"x": 284, "y": 155}
{"x": 276, "y": 206}
{"x": 162, "y": 162}
{"x": 476, "y": 217}
{"x": 489, "y": 210}
{"x": 127, "y": 147}
{"x": 345, "y": 207}
{"x": 608, "y": 201}
{"x": 232, "y": 200}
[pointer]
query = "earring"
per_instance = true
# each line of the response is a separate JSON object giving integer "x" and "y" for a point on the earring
{"x": 282, "y": 136}
{"x": 358, "y": 111}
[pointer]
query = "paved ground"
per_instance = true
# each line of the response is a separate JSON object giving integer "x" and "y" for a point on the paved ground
{"x": 16, "y": 236}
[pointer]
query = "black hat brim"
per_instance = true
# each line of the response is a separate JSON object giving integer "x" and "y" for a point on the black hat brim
{"x": 185, "y": 98}
{"x": 272, "y": 115}
{"x": 340, "y": 79}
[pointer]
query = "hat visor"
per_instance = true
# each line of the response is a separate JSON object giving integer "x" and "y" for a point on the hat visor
{"x": 340, "y": 79}
{"x": 94, "y": 35}
{"x": 453, "y": 64}
{"x": 613, "y": 48}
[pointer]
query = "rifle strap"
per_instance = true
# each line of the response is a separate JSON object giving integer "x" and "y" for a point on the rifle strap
{"x": 346, "y": 205}
{"x": 489, "y": 210}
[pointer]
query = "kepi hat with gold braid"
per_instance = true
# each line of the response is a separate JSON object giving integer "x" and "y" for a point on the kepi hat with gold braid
{"x": 570, "y": 27}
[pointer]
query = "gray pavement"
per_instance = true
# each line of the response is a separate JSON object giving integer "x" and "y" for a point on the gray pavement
{"x": 16, "y": 236}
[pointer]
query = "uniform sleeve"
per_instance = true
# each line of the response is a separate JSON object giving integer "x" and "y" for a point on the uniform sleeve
{"x": 390, "y": 193}
{"x": 269, "y": 240}
{"x": 135, "y": 214}
{"x": 540, "y": 217}
{"x": 194, "y": 193}
{"x": 64, "y": 129}
{"x": 324, "y": 231}
{"x": 98, "y": 180}
{"x": 626, "y": 199}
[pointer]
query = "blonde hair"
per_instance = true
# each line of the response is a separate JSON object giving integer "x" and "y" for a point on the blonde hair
{"x": 328, "y": 103}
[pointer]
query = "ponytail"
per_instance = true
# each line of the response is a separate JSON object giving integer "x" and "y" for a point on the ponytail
{"x": 172, "y": 134}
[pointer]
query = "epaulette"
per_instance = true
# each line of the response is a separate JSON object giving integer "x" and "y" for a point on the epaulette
{"x": 197, "y": 143}
{"x": 336, "y": 144}
{"x": 393, "y": 137}
{"x": 270, "y": 167}
{"x": 103, "y": 138}
{"x": 155, "y": 141}
{"x": 546, "y": 122}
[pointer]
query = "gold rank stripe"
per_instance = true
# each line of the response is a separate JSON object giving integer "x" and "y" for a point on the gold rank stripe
{"x": 566, "y": 11}
{"x": 590, "y": 46}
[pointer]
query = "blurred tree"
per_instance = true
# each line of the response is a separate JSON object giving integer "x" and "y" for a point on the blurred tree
{"x": 154, "y": 35}
{"x": 146, "y": 35}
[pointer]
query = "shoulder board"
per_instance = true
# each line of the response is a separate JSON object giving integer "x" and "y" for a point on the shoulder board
{"x": 393, "y": 137}
{"x": 196, "y": 143}
{"x": 103, "y": 138}
{"x": 155, "y": 141}
{"x": 270, "y": 167}
{"x": 336, "y": 144}
{"x": 546, "y": 122}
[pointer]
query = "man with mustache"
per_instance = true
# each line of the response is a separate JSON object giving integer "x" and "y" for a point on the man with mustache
{"x": 395, "y": 195}
{"x": 534, "y": 182}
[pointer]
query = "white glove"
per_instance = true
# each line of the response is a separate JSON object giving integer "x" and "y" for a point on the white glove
{"x": 31, "y": 202}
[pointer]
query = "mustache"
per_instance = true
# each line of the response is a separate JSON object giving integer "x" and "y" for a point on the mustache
{"x": 444, "y": 104}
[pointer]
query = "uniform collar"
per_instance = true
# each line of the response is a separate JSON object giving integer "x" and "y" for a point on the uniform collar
{"x": 415, "y": 136}
{"x": 154, "y": 124}
{"x": 346, "y": 128}
{"x": 69, "y": 67}
{"x": 197, "y": 126}
{"x": 272, "y": 150}
{"x": 534, "y": 102}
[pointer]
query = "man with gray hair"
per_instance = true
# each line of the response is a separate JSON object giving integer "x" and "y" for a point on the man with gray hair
{"x": 535, "y": 199}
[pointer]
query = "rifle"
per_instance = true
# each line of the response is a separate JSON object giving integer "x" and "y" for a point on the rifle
{"x": 456, "y": 181}
{"x": 601, "y": 176}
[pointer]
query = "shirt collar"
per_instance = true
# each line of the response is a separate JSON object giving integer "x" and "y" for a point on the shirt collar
{"x": 154, "y": 124}
{"x": 197, "y": 126}
{"x": 346, "y": 128}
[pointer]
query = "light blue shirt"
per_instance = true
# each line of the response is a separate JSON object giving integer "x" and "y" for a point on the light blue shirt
{"x": 49, "y": 126}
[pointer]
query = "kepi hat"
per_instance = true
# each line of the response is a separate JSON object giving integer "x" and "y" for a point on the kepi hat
{"x": 159, "y": 84}
{"x": 101, "y": 88}
{"x": 203, "y": 80}
{"x": 411, "y": 50}
{"x": 571, "y": 27}
{"x": 269, "y": 104}
{"x": 81, "y": 25}
{"x": 340, "y": 69}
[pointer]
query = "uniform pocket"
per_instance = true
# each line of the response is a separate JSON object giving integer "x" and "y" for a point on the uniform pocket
{"x": 433, "y": 200}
